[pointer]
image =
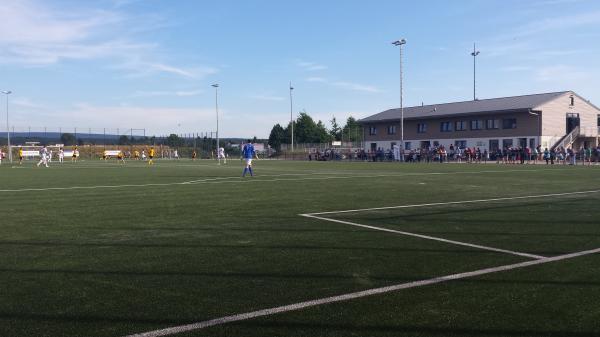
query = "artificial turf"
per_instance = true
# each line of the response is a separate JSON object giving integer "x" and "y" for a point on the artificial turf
{"x": 102, "y": 249}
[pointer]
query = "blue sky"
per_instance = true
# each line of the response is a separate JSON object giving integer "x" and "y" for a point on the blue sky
{"x": 150, "y": 63}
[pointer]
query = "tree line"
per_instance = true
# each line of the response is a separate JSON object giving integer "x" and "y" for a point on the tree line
{"x": 306, "y": 130}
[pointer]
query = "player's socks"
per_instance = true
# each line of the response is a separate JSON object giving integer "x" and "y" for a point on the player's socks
{"x": 250, "y": 169}
{"x": 245, "y": 170}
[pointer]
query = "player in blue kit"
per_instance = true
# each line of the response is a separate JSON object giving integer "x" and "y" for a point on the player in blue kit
{"x": 248, "y": 153}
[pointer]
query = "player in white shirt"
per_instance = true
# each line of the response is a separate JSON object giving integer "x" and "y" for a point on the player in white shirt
{"x": 61, "y": 155}
{"x": 144, "y": 155}
{"x": 175, "y": 154}
{"x": 221, "y": 155}
{"x": 43, "y": 157}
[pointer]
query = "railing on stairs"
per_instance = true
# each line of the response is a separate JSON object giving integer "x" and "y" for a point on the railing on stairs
{"x": 568, "y": 139}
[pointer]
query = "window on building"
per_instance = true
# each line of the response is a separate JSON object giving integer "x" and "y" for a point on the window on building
{"x": 572, "y": 99}
{"x": 507, "y": 143}
{"x": 421, "y": 128}
{"x": 460, "y": 125}
{"x": 460, "y": 143}
{"x": 598, "y": 120}
{"x": 407, "y": 146}
{"x": 492, "y": 124}
{"x": 373, "y": 146}
{"x": 391, "y": 130}
{"x": 425, "y": 144}
{"x": 446, "y": 127}
{"x": 476, "y": 124}
{"x": 372, "y": 130}
{"x": 509, "y": 123}
{"x": 436, "y": 143}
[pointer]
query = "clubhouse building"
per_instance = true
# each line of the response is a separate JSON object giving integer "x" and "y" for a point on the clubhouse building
{"x": 552, "y": 120}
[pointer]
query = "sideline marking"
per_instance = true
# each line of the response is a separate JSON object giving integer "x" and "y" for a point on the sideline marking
{"x": 355, "y": 295}
{"x": 250, "y": 179}
{"x": 427, "y": 237}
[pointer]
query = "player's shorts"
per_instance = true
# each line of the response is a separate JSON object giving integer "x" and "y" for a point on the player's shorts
{"x": 150, "y": 157}
{"x": 20, "y": 158}
{"x": 248, "y": 161}
{"x": 221, "y": 156}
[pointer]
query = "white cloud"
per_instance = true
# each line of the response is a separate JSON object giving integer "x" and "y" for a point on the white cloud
{"x": 310, "y": 66}
{"x": 345, "y": 85}
{"x": 267, "y": 97}
{"x": 515, "y": 68}
{"x": 24, "y": 102}
{"x": 561, "y": 74}
{"x": 41, "y": 36}
{"x": 316, "y": 79}
{"x": 153, "y": 119}
{"x": 168, "y": 93}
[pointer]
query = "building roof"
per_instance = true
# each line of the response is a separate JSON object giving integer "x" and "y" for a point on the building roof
{"x": 492, "y": 105}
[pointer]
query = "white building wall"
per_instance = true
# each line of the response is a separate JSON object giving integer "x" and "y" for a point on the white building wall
{"x": 482, "y": 143}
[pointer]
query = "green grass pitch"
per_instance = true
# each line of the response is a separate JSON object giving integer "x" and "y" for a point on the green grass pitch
{"x": 101, "y": 249}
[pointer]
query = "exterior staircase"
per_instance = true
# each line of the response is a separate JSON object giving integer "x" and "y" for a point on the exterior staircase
{"x": 568, "y": 139}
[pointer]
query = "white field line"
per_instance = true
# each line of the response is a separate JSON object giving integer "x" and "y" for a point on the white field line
{"x": 355, "y": 295}
{"x": 247, "y": 180}
{"x": 427, "y": 237}
{"x": 457, "y": 202}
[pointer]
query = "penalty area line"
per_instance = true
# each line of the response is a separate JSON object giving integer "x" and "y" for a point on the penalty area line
{"x": 456, "y": 202}
{"x": 355, "y": 295}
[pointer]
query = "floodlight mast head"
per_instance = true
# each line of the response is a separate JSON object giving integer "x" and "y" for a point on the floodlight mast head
{"x": 399, "y": 42}
{"x": 7, "y": 92}
{"x": 216, "y": 85}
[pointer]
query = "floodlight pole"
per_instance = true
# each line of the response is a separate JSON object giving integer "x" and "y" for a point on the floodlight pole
{"x": 400, "y": 43}
{"x": 216, "y": 86}
{"x": 291, "y": 117}
{"x": 8, "y": 92}
{"x": 474, "y": 54}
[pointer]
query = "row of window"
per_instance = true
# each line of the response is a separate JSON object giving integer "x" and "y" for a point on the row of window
{"x": 478, "y": 124}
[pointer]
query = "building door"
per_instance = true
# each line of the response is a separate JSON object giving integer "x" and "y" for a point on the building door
{"x": 572, "y": 121}
{"x": 494, "y": 144}
{"x": 373, "y": 147}
{"x": 425, "y": 144}
{"x": 532, "y": 143}
{"x": 522, "y": 143}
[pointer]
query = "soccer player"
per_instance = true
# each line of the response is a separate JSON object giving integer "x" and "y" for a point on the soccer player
{"x": 61, "y": 155}
{"x": 43, "y": 157}
{"x": 121, "y": 157}
{"x": 151, "y": 156}
{"x": 193, "y": 155}
{"x": 20, "y": 155}
{"x": 248, "y": 153}
{"x": 75, "y": 154}
{"x": 221, "y": 155}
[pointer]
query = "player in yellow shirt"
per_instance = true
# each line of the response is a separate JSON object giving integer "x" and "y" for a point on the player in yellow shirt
{"x": 20, "y": 155}
{"x": 151, "y": 156}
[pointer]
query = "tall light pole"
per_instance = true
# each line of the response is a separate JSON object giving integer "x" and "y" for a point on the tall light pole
{"x": 291, "y": 116}
{"x": 8, "y": 92}
{"x": 474, "y": 54}
{"x": 216, "y": 86}
{"x": 400, "y": 43}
